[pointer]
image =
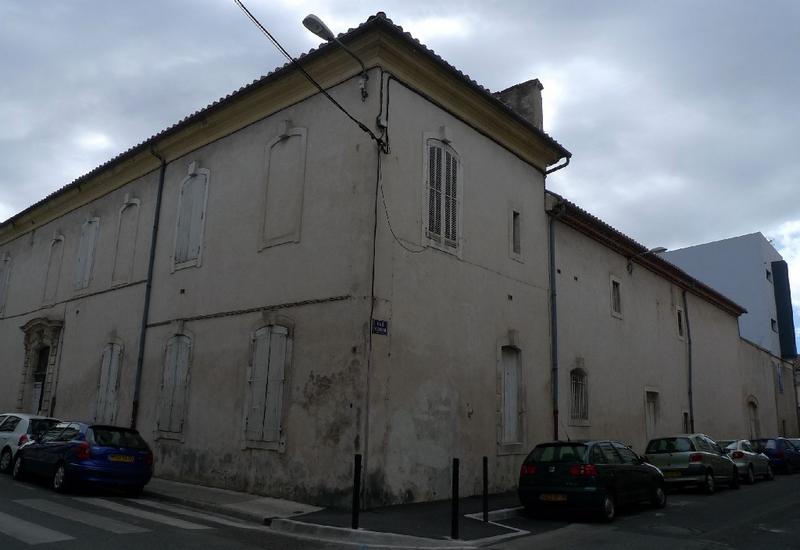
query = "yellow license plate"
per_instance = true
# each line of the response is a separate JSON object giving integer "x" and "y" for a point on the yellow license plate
{"x": 552, "y": 498}
{"x": 672, "y": 474}
{"x": 120, "y": 458}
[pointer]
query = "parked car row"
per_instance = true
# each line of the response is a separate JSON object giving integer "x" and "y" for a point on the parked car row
{"x": 600, "y": 475}
{"x": 73, "y": 454}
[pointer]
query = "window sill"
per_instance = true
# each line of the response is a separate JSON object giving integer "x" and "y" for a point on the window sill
{"x": 184, "y": 265}
{"x": 511, "y": 449}
{"x": 279, "y": 446}
{"x": 174, "y": 436}
{"x": 616, "y": 314}
{"x": 577, "y": 422}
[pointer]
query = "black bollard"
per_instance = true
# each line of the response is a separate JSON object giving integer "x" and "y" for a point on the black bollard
{"x": 486, "y": 489}
{"x": 454, "y": 520}
{"x": 356, "y": 490}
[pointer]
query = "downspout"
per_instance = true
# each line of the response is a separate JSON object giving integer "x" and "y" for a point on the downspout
{"x": 689, "y": 361}
{"x": 137, "y": 384}
{"x": 555, "y": 213}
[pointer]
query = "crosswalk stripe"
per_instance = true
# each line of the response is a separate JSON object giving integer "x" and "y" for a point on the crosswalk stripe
{"x": 122, "y": 509}
{"x": 28, "y": 532}
{"x": 199, "y": 515}
{"x": 87, "y": 518}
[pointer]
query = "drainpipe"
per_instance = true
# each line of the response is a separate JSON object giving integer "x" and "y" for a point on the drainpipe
{"x": 689, "y": 360}
{"x": 555, "y": 213}
{"x": 148, "y": 289}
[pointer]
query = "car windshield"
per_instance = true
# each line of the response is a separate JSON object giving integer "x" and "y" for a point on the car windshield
{"x": 765, "y": 444}
{"x": 728, "y": 444}
{"x": 563, "y": 452}
{"x": 795, "y": 443}
{"x": 39, "y": 426}
{"x": 670, "y": 445}
{"x": 118, "y": 437}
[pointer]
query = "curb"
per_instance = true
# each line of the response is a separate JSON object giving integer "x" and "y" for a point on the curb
{"x": 374, "y": 539}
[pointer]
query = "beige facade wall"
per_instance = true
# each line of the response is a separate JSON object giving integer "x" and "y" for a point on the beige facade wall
{"x": 625, "y": 356}
{"x": 435, "y": 380}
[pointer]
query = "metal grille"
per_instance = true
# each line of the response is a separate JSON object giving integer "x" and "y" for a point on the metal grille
{"x": 579, "y": 405}
{"x": 450, "y": 196}
{"x": 435, "y": 190}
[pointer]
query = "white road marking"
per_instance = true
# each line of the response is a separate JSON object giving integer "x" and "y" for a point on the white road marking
{"x": 28, "y": 532}
{"x": 87, "y": 518}
{"x": 158, "y": 518}
{"x": 199, "y": 515}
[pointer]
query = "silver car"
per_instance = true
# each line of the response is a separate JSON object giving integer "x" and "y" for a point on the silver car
{"x": 750, "y": 462}
{"x": 16, "y": 429}
{"x": 692, "y": 459}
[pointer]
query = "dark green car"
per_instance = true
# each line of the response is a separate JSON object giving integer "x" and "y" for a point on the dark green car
{"x": 594, "y": 476}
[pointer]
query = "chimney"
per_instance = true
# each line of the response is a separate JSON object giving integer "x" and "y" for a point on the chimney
{"x": 525, "y": 99}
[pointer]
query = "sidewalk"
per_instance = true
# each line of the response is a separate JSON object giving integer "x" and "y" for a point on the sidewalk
{"x": 424, "y": 525}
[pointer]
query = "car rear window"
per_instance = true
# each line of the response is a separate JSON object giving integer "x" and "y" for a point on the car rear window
{"x": 559, "y": 453}
{"x": 727, "y": 444}
{"x": 670, "y": 445}
{"x": 765, "y": 443}
{"x": 41, "y": 425}
{"x": 118, "y": 437}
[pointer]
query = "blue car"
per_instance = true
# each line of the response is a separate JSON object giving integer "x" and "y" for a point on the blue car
{"x": 782, "y": 454}
{"x": 76, "y": 453}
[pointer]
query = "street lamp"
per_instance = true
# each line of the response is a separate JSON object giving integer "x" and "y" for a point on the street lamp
{"x": 656, "y": 250}
{"x": 315, "y": 25}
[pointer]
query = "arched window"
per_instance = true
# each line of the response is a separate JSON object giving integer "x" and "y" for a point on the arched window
{"x": 107, "y": 384}
{"x": 5, "y": 277}
{"x": 53, "y": 268}
{"x": 191, "y": 217}
{"x": 125, "y": 249}
{"x": 271, "y": 353}
{"x": 174, "y": 385}
{"x": 579, "y": 395}
{"x": 752, "y": 417}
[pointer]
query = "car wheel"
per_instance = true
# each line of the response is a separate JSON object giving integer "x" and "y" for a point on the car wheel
{"x": 59, "y": 482}
{"x": 734, "y": 482}
{"x": 709, "y": 485}
{"x": 770, "y": 475}
{"x": 17, "y": 470}
{"x": 659, "y": 497}
{"x": 5, "y": 460}
{"x": 608, "y": 511}
{"x": 751, "y": 475}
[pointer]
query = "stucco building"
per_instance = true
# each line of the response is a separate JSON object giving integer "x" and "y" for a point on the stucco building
{"x": 266, "y": 288}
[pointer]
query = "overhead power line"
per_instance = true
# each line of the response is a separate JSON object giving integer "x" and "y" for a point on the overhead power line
{"x": 381, "y": 144}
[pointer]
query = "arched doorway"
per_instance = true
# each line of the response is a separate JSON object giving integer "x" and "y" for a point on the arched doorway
{"x": 37, "y": 387}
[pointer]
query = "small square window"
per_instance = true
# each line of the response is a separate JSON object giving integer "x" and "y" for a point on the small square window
{"x": 769, "y": 275}
{"x": 774, "y": 324}
{"x": 681, "y": 329}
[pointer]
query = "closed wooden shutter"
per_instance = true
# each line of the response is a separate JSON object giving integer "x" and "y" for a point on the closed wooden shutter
{"x": 275, "y": 379}
{"x": 435, "y": 151}
{"x": 108, "y": 383}
{"x": 167, "y": 385}
{"x": 53, "y": 269}
{"x": 126, "y": 243}
{"x": 257, "y": 385}
{"x": 181, "y": 393}
{"x": 510, "y": 358}
{"x": 197, "y": 213}
{"x": 5, "y": 275}
{"x": 450, "y": 197}
{"x": 86, "y": 248}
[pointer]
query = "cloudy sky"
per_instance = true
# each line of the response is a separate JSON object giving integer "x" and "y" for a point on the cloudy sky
{"x": 682, "y": 116}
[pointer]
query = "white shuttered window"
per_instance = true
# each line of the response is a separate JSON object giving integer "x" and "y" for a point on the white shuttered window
{"x": 511, "y": 428}
{"x": 443, "y": 193}
{"x": 174, "y": 384}
{"x": 86, "y": 246}
{"x": 191, "y": 217}
{"x": 106, "y": 406}
{"x": 266, "y": 380}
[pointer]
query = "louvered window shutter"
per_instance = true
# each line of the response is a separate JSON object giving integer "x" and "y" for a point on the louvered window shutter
{"x": 451, "y": 197}
{"x": 86, "y": 247}
{"x": 434, "y": 188}
{"x": 167, "y": 385}
{"x": 197, "y": 214}
{"x": 184, "y": 221}
{"x": 275, "y": 380}
{"x": 181, "y": 392}
{"x": 258, "y": 385}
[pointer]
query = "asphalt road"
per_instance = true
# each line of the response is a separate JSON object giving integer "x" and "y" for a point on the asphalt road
{"x": 31, "y": 515}
{"x": 764, "y": 515}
